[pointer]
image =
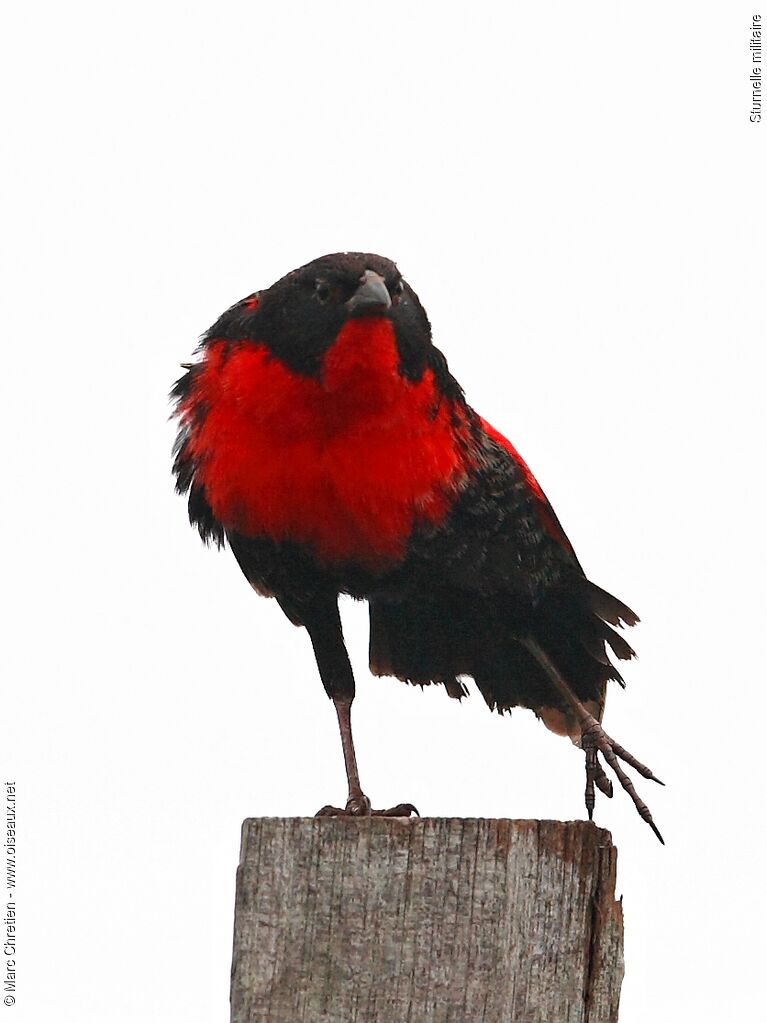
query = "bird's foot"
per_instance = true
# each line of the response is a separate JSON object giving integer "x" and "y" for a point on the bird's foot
{"x": 594, "y": 741}
{"x": 359, "y": 806}
{"x": 400, "y": 810}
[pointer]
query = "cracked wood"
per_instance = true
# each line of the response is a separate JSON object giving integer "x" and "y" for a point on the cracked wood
{"x": 343, "y": 920}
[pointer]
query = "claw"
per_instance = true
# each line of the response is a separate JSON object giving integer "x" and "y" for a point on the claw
{"x": 604, "y": 784}
{"x": 330, "y": 811}
{"x": 596, "y": 740}
{"x": 361, "y": 808}
{"x": 400, "y": 810}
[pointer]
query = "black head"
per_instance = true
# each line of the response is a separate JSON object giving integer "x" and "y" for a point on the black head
{"x": 300, "y": 316}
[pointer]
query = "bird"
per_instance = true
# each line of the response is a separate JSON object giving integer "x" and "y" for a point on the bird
{"x": 322, "y": 437}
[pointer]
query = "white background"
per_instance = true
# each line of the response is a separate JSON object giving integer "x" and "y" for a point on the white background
{"x": 576, "y": 193}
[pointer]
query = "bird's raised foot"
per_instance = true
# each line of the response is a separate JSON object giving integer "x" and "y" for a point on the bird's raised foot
{"x": 594, "y": 741}
{"x": 360, "y": 807}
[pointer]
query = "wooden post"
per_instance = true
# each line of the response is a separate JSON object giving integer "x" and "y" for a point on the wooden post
{"x": 384, "y": 920}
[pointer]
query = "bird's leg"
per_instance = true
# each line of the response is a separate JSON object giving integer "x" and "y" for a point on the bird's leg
{"x": 324, "y": 627}
{"x": 358, "y": 803}
{"x": 595, "y": 740}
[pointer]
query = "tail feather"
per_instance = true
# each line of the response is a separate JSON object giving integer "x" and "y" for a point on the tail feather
{"x": 439, "y": 638}
{"x": 594, "y": 645}
{"x": 617, "y": 643}
{"x": 608, "y": 607}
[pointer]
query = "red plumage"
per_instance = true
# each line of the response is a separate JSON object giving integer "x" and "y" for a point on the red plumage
{"x": 348, "y": 464}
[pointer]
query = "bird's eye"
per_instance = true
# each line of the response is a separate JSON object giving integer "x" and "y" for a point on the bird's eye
{"x": 397, "y": 290}
{"x": 321, "y": 291}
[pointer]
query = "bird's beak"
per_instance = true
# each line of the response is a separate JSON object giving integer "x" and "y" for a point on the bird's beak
{"x": 371, "y": 296}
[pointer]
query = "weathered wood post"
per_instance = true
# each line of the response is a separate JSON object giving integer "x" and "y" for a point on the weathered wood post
{"x": 404, "y": 921}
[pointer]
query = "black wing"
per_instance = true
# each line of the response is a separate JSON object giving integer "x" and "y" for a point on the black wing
{"x": 498, "y": 570}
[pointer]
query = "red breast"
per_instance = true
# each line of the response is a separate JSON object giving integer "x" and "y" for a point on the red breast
{"x": 348, "y": 462}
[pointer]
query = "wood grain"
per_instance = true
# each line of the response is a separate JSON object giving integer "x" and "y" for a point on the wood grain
{"x": 448, "y": 920}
